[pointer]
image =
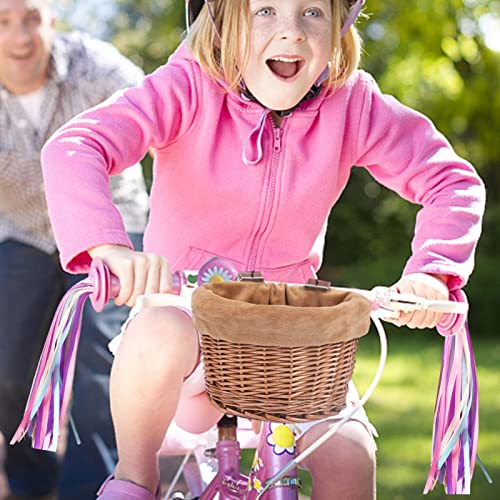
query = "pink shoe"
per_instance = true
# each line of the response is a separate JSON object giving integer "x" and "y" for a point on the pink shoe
{"x": 116, "y": 489}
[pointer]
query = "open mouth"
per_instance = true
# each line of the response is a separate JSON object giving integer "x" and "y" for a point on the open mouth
{"x": 285, "y": 67}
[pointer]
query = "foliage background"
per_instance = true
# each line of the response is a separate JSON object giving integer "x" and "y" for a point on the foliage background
{"x": 433, "y": 56}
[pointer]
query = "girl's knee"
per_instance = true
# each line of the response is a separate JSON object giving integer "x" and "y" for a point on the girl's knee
{"x": 348, "y": 455}
{"x": 162, "y": 334}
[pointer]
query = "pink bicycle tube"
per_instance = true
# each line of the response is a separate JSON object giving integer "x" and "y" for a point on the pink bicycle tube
{"x": 277, "y": 448}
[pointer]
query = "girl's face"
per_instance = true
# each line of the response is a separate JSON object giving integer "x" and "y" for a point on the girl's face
{"x": 290, "y": 46}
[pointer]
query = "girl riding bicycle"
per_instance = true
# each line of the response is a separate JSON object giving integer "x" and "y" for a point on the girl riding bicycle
{"x": 255, "y": 122}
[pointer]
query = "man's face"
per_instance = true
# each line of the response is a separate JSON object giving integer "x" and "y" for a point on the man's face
{"x": 26, "y": 33}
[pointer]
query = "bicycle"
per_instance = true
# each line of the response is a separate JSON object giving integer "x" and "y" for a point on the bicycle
{"x": 273, "y": 474}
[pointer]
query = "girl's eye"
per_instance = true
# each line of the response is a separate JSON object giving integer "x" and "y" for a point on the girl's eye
{"x": 312, "y": 13}
{"x": 266, "y": 11}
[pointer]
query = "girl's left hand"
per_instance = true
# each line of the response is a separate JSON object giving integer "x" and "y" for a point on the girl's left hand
{"x": 428, "y": 286}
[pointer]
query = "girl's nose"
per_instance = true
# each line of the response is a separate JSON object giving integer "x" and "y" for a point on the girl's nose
{"x": 291, "y": 28}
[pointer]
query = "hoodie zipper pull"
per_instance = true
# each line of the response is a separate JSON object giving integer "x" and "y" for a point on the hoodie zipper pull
{"x": 277, "y": 139}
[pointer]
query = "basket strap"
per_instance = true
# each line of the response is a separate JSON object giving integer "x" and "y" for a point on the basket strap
{"x": 252, "y": 276}
{"x": 317, "y": 284}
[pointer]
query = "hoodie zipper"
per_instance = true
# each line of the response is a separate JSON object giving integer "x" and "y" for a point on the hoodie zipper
{"x": 270, "y": 196}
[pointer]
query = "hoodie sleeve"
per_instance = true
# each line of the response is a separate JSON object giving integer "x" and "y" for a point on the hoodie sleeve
{"x": 78, "y": 159}
{"x": 403, "y": 150}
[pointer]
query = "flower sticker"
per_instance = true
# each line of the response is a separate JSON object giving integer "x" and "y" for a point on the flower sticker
{"x": 215, "y": 275}
{"x": 257, "y": 485}
{"x": 281, "y": 438}
{"x": 216, "y": 270}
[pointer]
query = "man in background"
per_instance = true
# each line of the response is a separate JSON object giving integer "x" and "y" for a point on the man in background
{"x": 46, "y": 78}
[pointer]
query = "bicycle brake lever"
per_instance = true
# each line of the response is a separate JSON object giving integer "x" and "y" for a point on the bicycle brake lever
{"x": 390, "y": 299}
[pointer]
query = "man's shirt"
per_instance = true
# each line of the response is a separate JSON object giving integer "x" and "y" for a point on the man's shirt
{"x": 83, "y": 72}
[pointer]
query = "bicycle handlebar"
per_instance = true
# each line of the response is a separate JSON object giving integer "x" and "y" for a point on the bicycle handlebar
{"x": 107, "y": 286}
{"x": 387, "y": 302}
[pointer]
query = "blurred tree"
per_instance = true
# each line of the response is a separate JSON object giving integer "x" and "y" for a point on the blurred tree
{"x": 432, "y": 56}
{"x": 148, "y": 30}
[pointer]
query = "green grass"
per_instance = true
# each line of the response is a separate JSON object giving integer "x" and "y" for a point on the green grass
{"x": 402, "y": 411}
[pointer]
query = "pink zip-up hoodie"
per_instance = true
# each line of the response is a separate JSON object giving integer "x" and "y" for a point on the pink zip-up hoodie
{"x": 270, "y": 216}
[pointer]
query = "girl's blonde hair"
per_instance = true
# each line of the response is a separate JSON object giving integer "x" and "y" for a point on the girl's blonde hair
{"x": 218, "y": 47}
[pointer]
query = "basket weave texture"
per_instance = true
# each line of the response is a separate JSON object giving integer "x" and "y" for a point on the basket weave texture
{"x": 278, "y": 352}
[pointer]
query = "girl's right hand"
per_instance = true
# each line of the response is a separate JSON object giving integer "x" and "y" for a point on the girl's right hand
{"x": 139, "y": 273}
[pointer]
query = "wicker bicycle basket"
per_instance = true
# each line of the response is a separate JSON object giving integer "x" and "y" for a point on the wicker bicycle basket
{"x": 278, "y": 352}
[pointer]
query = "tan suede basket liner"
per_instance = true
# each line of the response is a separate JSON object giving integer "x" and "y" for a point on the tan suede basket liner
{"x": 278, "y": 352}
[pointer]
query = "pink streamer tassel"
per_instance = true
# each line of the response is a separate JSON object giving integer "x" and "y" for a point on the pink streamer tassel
{"x": 456, "y": 416}
{"x": 50, "y": 395}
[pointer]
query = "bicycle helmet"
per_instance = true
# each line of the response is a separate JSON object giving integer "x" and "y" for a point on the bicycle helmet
{"x": 193, "y": 8}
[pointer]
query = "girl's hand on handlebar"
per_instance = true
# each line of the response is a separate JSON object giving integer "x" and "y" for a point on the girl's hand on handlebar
{"x": 139, "y": 273}
{"x": 428, "y": 286}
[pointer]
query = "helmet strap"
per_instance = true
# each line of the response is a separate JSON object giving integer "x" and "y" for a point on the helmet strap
{"x": 210, "y": 15}
{"x": 353, "y": 14}
{"x": 311, "y": 94}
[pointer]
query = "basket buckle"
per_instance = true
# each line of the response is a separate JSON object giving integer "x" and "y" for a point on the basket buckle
{"x": 254, "y": 276}
{"x": 316, "y": 284}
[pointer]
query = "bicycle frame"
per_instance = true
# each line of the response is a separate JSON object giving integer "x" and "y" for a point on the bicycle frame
{"x": 230, "y": 484}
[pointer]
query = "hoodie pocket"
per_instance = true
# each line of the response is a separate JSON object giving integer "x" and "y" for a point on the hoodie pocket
{"x": 193, "y": 258}
{"x": 298, "y": 272}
